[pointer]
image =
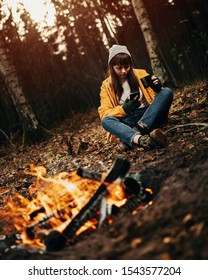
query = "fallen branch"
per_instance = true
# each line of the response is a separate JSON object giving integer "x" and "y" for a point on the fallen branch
{"x": 187, "y": 124}
{"x": 7, "y": 138}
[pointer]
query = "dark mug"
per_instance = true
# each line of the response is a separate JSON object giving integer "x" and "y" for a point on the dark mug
{"x": 148, "y": 82}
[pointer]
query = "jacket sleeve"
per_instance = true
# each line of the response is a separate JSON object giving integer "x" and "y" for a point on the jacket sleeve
{"x": 108, "y": 104}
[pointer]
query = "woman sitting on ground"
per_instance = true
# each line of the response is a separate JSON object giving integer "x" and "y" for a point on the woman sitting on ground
{"x": 127, "y": 109}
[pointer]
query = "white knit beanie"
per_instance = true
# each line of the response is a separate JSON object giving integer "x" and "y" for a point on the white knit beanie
{"x": 115, "y": 49}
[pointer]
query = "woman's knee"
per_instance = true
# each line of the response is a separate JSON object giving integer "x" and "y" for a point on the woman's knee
{"x": 107, "y": 120}
{"x": 167, "y": 94}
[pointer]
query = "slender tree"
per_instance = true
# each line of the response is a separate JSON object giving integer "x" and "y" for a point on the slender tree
{"x": 110, "y": 34}
{"x": 31, "y": 127}
{"x": 150, "y": 39}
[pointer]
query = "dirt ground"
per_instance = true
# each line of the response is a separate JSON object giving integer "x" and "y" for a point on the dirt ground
{"x": 175, "y": 226}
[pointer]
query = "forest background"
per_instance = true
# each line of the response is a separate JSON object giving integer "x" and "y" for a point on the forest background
{"x": 61, "y": 65}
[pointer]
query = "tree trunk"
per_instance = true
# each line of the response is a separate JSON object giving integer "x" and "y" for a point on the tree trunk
{"x": 28, "y": 119}
{"x": 150, "y": 40}
{"x": 110, "y": 34}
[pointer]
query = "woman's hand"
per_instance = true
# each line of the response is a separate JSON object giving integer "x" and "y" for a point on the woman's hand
{"x": 131, "y": 105}
{"x": 157, "y": 85}
{"x": 156, "y": 80}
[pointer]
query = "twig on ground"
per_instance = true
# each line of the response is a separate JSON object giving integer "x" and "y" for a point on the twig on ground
{"x": 187, "y": 124}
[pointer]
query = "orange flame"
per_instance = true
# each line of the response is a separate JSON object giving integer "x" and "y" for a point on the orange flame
{"x": 54, "y": 202}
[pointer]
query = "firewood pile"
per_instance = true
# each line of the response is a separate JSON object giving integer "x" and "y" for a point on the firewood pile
{"x": 62, "y": 208}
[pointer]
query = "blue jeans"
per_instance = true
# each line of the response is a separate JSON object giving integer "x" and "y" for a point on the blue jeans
{"x": 153, "y": 116}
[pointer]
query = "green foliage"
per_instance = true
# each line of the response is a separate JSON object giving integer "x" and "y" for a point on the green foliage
{"x": 178, "y": 55}
{"x": 188, "y": 55}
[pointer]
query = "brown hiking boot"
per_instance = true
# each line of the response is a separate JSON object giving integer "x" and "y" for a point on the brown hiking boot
{"x": 157, "y": 138}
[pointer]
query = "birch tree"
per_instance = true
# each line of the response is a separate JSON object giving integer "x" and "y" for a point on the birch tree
{"x": 150, "y": 40}
{"x": 32, "y": 130}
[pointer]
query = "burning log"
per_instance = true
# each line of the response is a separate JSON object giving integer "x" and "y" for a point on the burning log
{"x": 134, "y": 185}
{"x": 85, "y": 173}
{"x": 118, "y": 170}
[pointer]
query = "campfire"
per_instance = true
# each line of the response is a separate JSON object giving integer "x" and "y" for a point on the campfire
{"x": 60, "y": 209}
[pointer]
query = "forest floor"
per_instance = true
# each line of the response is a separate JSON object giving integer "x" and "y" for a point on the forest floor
{"x": 174, "y": 226}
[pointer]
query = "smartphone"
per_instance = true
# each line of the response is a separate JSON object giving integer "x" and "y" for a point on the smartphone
{"x": 134, "y": 94}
